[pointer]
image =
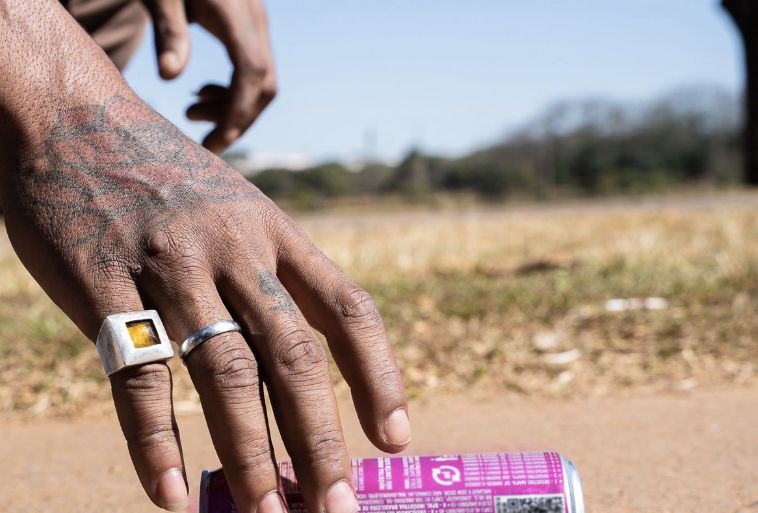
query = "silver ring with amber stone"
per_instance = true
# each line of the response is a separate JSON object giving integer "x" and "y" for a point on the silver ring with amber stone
{"x": 132, "y": 338}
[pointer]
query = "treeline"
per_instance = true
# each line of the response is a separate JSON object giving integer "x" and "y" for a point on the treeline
{"x": 587, "y": 147}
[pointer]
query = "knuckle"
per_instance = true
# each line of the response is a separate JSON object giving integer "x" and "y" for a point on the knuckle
{"x": 326, "y": 450}
{"x": 141, "y": 381}
{"x": 356, "y": 303}
{"x": 170, "y": 243}
{"x": 148, "y": 440}
{"x": 110, "y": 270}
{"x": 297, "y": 352}
{"x": 252, "y": 69}
{"x": 142, "y": 396}
{"x": 231, "y": 368}
{"x": 268, "y": 93}
{"x": 388, "y": 378}
{"x": 254, "y": 458}
{"x": 174, "y": 249}
{"x": 107, "y": 274}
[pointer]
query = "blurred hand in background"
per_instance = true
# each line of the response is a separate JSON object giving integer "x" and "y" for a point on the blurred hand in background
{"x": 242, "y": 27}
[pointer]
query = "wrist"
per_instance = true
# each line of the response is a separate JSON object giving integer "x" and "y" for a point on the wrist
{"x": 48, "y": 62}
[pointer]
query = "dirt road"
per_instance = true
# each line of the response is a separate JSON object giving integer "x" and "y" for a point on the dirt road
{"x": 678, "y": 453}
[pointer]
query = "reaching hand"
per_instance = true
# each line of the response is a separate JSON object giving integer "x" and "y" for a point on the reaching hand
{"x": 114, "y": 210}
{"x": 242, "y": 27}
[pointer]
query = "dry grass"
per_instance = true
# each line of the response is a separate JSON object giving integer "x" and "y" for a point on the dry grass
{"x": 501, "y": 299}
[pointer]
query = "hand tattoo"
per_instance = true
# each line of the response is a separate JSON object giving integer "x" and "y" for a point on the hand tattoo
{"x": 272, "y": 287}
{"x": 106, "y": 171}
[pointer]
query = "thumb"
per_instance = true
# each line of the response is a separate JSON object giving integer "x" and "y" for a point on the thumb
{"x": 171, "y": 36}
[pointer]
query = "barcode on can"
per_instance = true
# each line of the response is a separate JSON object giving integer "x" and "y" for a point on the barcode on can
{"x": 529, "y": 504}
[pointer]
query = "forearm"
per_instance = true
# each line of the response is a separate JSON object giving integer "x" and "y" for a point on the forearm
{"x": 46, "y": 62}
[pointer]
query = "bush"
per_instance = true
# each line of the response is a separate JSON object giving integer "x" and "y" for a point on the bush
{"x": 588, "y": 147}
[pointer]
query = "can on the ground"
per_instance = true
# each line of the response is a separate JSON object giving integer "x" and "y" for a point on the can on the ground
{"x": 506, "y": 482}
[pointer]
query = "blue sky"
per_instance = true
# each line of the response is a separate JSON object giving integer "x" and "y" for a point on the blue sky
{"x": 450, "y": 75}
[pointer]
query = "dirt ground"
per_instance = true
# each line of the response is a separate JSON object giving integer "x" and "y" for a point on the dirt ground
{"x": 681, "y": 452}
{"x": 507, "y": 307}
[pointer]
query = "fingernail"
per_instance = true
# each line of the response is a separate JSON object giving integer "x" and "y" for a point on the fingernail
{"x": 397, "y": 428}
{"x": 171, "y": 490}
{"x": 272, "y": 502}
{"x": 340, "y": 498}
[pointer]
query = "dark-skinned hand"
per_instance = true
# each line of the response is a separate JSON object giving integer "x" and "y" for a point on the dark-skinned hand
{"x": 242, "y": 27}
{"x": 112, "y": 209}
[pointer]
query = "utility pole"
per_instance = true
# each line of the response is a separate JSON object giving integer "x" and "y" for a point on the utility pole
{"x": 745, "y": 16}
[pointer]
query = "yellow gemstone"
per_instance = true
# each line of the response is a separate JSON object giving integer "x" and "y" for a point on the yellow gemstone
{"x": 142, "y": 334}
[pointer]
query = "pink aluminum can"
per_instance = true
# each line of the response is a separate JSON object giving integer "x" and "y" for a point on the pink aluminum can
{"x": 508, "y": 482}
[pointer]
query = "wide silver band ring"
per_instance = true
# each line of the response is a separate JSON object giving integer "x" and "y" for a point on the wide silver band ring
{"x": 132, "y": 338}
{"x": 205, "y": 334}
